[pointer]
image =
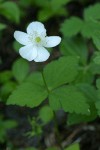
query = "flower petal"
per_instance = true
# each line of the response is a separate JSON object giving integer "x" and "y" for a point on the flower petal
{"x": 21, "y": 37}
{"x": 36, "y": 27}
{"x": 52, "y": 41}
{"x": 42, "y": 55}
{"x": 28, "y": 52}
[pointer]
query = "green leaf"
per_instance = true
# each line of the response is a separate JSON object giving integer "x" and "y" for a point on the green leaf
{"x": 94, "y": 68}
{"x": 2, "y": 26}
{"x": 89, "y": 91}
{"x": 20, "y": 69}
{"x": 11, "y": 11}
{"x": 98, "y": 83}
{"x": 5, "y": 76}
{"x": 36, "y": 127}
{"x": 9, "y": 124}
{"x": 71, "y": 26}
{"x": 60, "y": 72}
{"x": 71, "y": 100}
{"x": 90, "y": 28}
{"x": 92, "y": 12}
{"x": 28, "y": 94}
{"x": 7, "y": 88}
{"x": 16, "y": 46}
{"x": 79, "y": 118}
{"x": 84, "y": 76}
{"x": 44, "y": 4}
{"x": 98, "y": 88}
{"x": 73, "y": 147}
{"x": 25, "y": 3}
{"x": 98, "y": 106}
{"x": 4, "y": 126}
{"x": 36, "y": 78}
{"x": 75, "y": 47}
{"x": 52, "y": 148}
{"x": 54, "y": 102}
{"x": 96, "y": 40}
{"x": 97, "y": 59}
{"x": 98, "y": 102}
{"x": 76, "y": 119}
{"x": 51, "y": 11}
{"x": 61, "y": 12}
{"x": 45, "y": 14}
{"x": 46, "y": 114}
{"x": 56, "y": 4}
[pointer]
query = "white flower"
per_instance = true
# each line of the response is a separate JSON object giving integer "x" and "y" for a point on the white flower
{"x": 35, "y": 41}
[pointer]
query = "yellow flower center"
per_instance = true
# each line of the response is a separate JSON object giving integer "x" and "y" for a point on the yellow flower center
{"x": 37, "y": 39}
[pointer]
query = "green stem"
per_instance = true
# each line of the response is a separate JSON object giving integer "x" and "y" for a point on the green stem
{"x": 55, "y": 120}
{"x": 57, "y": 132}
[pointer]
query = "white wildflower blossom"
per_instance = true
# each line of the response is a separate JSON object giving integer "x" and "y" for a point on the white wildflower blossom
{"x": 35, "y": 41}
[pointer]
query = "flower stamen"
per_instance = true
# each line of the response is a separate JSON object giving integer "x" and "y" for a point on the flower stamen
{"x": 38, "y": 39}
